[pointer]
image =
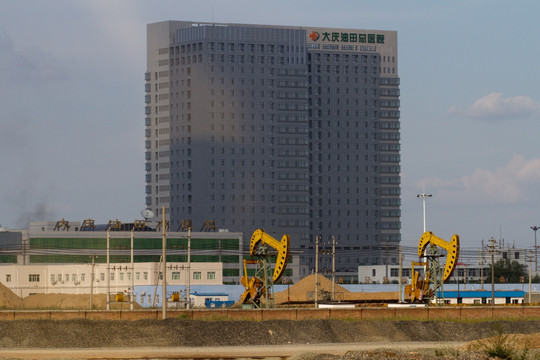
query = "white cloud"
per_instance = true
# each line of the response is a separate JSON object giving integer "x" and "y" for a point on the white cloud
{"x": 519, "y": 180}
{"x": 495, "y": 106}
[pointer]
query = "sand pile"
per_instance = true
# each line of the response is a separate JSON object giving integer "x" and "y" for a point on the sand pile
{"x": 71, "y": 301}
{"x": 372, "y": 296}
{"x": 63, "y": 301}
{"x": 304, "y": 290}
{"x": 8, "y": 299}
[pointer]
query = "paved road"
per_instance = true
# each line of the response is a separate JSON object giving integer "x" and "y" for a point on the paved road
{"x": 231, "y": 352}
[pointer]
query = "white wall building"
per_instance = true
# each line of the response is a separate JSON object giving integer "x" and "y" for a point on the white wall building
{"x": 26, "y": 280}
{"x": 472, "y": 266}
{"x": 198, "y": 300}
{"x": 384, "y": 274}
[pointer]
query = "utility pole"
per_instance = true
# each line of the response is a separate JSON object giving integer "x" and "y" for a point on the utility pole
{"x": 465, "y": 277}
{"x": 492, "y": 247}
{"x": 386, "y": 260}
{"x": 316, "y": 270}
{"x": 530, "y": 274}
{"x": 108, "y": 269}
{"x": 400, "y": 275}
{"x": 535, "y": 248}
{"x": 164, "y": 267}
{"x": 188, "y": 298}
{"x": 92, "y": 285}
{"x": 482, "y": 274}
{"x": 131, "y": 298}
{"x": 333, "y": 268}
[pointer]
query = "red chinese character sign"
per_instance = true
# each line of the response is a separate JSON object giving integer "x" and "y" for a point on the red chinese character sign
{"x": 345, "y": 37}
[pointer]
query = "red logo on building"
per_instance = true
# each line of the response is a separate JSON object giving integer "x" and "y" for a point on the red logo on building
{"x": 314, "y": 36}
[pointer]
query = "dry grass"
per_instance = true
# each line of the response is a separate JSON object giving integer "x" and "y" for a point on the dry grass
{"x": 519, "y": 341}
{"x": 507, "y": 346}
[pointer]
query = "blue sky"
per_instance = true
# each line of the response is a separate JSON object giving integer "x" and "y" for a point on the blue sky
{"x": 72, "y": 100}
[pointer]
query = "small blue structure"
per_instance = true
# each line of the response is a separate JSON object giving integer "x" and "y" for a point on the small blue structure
{"x": 210, "y": 300}
{"x": 482, "y": 296}
{"x": 210, "y": 304}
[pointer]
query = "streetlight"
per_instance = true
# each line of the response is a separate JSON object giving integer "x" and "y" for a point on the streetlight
{"x": 534, "y": 228}
{"x": 423, "y": 196}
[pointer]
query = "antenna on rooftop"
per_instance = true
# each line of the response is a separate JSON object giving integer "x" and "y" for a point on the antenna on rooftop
{"x": 147, "y": 214}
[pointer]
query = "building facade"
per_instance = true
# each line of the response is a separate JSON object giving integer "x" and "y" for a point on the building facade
{"x": 75, "y": 248}
{"x": 473, "y": 266}
{"x": 290, "y": 129}
{"x": 25, "y": 280}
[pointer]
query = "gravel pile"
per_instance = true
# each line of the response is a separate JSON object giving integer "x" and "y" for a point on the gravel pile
{"x": 382, "y": 355}
{"x": 181, "y": 332}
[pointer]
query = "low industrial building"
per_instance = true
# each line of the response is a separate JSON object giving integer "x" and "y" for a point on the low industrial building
{"x": 483, "y": 297}
{"x": 62, "y": 257}
{"x": 210, "y": 300}
{"x": 385, "y": 274}
{"x": 473, "y": 266}
{"x": 25, "y": 280}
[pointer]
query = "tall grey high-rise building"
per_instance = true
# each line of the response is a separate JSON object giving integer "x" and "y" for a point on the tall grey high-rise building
{"x": 291, "y": 129}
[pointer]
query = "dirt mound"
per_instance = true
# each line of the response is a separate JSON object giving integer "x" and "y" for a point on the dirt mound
{"x": 304, "y": 290}
{"x": 517, "y": 341}
{"x": 8, "y": 299}
{"x": 70, "y": 301}
{"x": 372, "y": 296}
{"x": 63, "y": 301}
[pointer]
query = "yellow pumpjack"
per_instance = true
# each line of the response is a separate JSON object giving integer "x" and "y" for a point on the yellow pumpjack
{"x": 255, "y": 287}
{"x": 419, "y": 289}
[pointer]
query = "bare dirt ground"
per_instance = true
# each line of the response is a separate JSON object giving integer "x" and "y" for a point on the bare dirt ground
{"x": 305, "y": 340}
{"x": 268, "y": 352}
{"x": 181, "y": 332}
{"x": 271, "y": 340}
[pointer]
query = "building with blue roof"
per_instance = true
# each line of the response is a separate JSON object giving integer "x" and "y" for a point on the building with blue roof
{"x": 482, "y": 296}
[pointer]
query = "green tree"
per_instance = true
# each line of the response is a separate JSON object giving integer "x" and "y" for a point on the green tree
{"x": 512, "y": 272}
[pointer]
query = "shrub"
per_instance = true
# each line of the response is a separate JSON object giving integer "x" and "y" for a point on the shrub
{"x": 502, "y": 346}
